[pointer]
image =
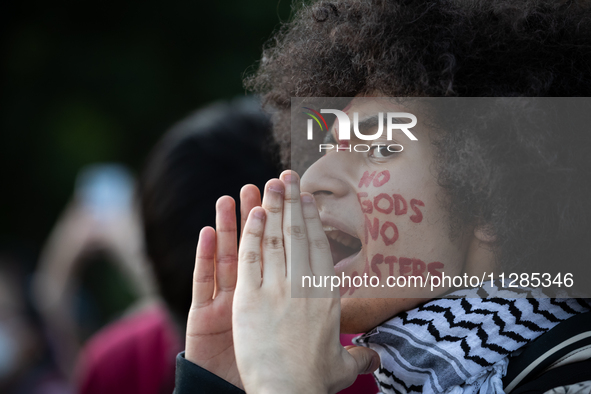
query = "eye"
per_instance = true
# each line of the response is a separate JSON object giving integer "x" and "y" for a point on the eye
{"x": 382, "y": 151}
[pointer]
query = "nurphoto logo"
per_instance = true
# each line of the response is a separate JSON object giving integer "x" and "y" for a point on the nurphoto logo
{"x": 394, "y": 121}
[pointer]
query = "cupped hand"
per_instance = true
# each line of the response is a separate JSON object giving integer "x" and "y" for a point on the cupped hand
{"x": 209, "y": 341}
{"x": 282, "y": 343}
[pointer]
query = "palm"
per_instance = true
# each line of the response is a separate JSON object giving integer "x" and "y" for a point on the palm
{"x": 209, "y": 341}
{"x": 209, "y": 336}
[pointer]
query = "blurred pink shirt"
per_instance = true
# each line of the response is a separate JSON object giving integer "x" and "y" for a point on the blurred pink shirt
{"x": 133, "y": 355}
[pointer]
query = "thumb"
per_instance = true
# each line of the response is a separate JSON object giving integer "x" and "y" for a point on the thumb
{"x": 367, "y": 360}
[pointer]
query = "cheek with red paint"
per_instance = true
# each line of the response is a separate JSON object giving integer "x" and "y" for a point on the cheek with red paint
{"x": 382, "y": 209}
{"x": 385, "y": 212}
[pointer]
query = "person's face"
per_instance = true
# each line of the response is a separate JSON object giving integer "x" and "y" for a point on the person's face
{"x": 383, "y": 215}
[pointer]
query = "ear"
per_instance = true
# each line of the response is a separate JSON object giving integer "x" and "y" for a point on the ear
{"x": 485, "y": 233}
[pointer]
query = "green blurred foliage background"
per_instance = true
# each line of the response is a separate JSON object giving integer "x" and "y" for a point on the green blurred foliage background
{"x": 94, "y": 82}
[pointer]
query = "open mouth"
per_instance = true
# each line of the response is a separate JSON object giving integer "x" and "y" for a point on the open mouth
{"x": 342, "y": 245}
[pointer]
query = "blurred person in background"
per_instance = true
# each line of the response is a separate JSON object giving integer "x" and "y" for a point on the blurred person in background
{"x": 84, "y": 88}
{"x": 212, "y": 152}
{"x": 92, "y": 267}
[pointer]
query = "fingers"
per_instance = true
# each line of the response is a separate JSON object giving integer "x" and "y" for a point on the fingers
{"x": 320, "y": 255}
{"x": 203, "y": 275}
{"x": 249, "y": 261}
{"x": 273, "y": 250}
{"x": 250, "y": 197}
{"x": 227, "y": 247}
{"x": 294, "y": 229}
{"x": 366, "y": 360}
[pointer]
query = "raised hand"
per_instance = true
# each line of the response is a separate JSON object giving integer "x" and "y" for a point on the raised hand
{"x": 285, "y": 344}
{"x": 209, "y": 341}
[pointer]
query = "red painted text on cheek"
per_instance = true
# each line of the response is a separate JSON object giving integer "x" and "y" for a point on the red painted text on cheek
{"x": 407, "y": 266}
{"x": 380, "y": 208}
{"x": 372, "y": 179}
{"x": 385, "y": 204}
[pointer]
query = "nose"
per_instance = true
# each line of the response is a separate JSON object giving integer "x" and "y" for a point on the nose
{"x": 326, "y": 177}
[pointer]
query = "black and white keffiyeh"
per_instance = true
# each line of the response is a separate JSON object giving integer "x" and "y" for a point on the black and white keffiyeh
{"x": 462, "y": 344}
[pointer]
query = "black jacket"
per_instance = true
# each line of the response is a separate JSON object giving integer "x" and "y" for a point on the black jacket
{"x": 193, "y": 379}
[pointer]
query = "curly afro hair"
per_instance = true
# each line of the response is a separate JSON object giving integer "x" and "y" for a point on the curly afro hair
{"x": 534, "y": 195}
